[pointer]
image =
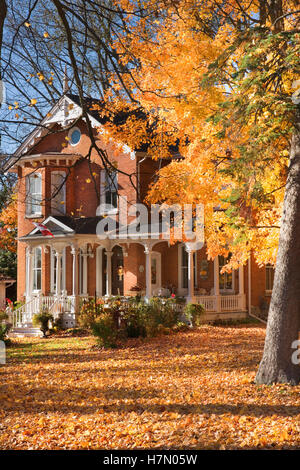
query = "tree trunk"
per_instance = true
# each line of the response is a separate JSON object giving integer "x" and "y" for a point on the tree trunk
{"x": 284, "y": 312}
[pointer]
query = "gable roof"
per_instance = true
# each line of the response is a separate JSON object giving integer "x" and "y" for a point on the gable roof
{"x": 63, "y": 225}
{"x": 66, "y": 110}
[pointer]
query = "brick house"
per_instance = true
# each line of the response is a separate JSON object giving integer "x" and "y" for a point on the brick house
{"x": 55, "y": 188}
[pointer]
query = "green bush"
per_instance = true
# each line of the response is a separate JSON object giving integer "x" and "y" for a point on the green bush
{"x": 193, "y": 313}
{"x": 42, "y": 320}
{"x": 143, "y": 319}
{"x": 105, "y": 330}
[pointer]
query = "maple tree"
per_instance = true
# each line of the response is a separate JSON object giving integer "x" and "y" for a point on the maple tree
{"x": 218, "y": 79}
{"x": 221, "y": 78}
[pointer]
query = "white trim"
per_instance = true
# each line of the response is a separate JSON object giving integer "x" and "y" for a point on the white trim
{"x": 56, "y": 222}
{"x": 51, "y": 118}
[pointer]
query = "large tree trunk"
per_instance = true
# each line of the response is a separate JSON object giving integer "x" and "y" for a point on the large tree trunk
{"x": 284, "y": 312}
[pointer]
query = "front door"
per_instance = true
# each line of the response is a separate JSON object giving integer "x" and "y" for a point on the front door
{"x": 117, "y": 267}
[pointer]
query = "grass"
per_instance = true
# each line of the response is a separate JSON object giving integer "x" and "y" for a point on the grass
{"x": 191, "y": 390}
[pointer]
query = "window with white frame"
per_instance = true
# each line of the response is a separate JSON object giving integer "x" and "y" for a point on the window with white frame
{"x": 34, "y": 194}
{"x": 226, "y": 280}
{"x": 37, "y": 269}
{"x": 53, "y": 265}
{"x": 270, "y": 271}
{"x": 183, "y": 263}
{"x": 58, "y": 192}
{"x": 109, "y": 191}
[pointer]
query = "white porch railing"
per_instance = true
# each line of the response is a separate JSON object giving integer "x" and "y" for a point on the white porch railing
{"x": 55, "y": 304}
{"x": 222, "y": 303}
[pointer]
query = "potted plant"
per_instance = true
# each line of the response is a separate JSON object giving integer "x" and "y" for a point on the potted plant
{"x": 42, "y": 320}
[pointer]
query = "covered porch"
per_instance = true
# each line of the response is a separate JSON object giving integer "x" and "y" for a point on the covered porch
{"x": 73, "y": 265}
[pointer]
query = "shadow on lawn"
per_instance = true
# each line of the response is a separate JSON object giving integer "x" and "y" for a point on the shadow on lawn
{"x": 113, "y": 400}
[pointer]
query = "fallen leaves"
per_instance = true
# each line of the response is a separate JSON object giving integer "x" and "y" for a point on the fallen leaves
{"x": 191, "y": 390}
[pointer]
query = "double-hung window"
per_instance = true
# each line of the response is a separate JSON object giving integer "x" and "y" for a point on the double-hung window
{"x": 226, "y": 280}
{"x": 269, "y": 277}
{"x": 37, "y": 269}
{"x": 58, "y": 192}
{"x": 34, "y": 194}
{"x": 109, "y": 191}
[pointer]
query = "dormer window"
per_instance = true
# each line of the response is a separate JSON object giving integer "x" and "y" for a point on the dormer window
{"x": 75, "y": 136}
{"x": 34, "y": 194}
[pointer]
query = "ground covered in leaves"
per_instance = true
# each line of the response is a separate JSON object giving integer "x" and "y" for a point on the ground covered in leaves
{"x": 191, "y": 390}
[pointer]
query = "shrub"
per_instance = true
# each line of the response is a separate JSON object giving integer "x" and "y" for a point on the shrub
{"x": 105, "y": 330}
{"x": 193, "y": 313}
{"x": 4, "y": 329}
{"x": 42, "y": 320}
{"x": 90, "y": 311}
{"x": 135, "y": 317}
{"x": 3, "y": 316}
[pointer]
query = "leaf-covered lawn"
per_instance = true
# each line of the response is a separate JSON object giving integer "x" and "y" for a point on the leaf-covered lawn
{"x": 189, "y": 390}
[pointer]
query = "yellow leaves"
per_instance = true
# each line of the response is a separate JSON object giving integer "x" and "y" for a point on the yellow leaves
{"x": 46, "y": 34}
{"x": 27, "y": 24}
{"x": 33, "y": 102}
{"x": 41, "y": 76}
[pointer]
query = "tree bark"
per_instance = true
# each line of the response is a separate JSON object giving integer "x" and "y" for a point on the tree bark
{"x": 284, "y": 313}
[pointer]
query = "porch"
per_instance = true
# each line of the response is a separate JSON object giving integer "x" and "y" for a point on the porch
{"x": 74, "y": 264}
{"x": 66, "y": 307}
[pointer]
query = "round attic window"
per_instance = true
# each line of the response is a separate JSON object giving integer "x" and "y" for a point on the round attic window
{"x": 74, "y": 136}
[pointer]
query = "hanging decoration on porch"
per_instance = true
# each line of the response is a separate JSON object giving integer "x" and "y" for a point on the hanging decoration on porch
{"x": 43, "y": 229}
{"x": 120, "y": 272}
{"x": 204, "y": 269}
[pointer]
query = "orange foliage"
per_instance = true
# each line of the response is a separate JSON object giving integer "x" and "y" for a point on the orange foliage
{"x": 8, "y": 230}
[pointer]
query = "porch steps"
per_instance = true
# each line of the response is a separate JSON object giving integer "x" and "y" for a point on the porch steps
{"x": 28, "y": 331}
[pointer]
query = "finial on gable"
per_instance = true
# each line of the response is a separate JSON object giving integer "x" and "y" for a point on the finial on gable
{"x": 65, "y": 81}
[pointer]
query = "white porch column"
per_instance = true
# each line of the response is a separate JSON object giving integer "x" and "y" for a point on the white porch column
{"x": 242, "y": 288}
{"x": 241, "y": 279}
{"x": 74, "y": 252}
{"x": 99, "y": 271}
{"x": 29, "y": 286}
{"x": 108, "y": 272}
{"x": 58, "y": 255}
{"x": 217, "y": 284}
{"x": 148, "y": 272}
{"x": 85, "y": 255}
{"x": 190, "y": 253}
